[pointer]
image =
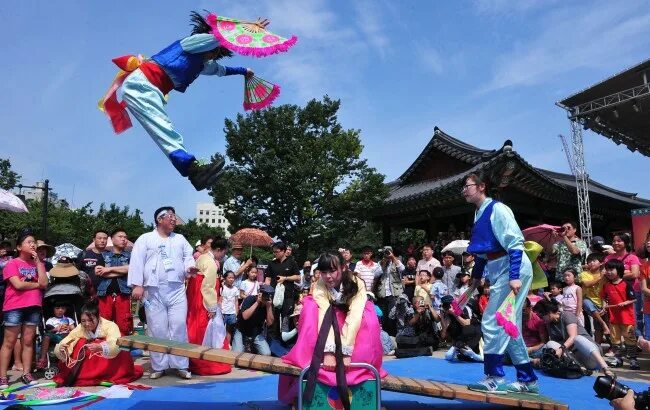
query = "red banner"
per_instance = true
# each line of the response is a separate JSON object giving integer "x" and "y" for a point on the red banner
{"x": 640, "y": 227}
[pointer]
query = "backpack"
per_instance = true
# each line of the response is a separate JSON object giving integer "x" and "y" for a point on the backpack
{"x": 564, "y": 367}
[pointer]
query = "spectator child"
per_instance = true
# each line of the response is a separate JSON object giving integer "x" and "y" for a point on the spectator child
{"x": 438, "y": 289}
{"x": 423, "y": 290}
{"x": 572, "y": 295}
{"x": 462, "y": 283}
{"x": 228, "y": 303}
{"x": 483, "y": 296}
{"x": 619, "y": 298}
{"x": 56, "y": 328}
{"x": 592, "y": 281}
{"x": 249, "y": 286}
{"x": 555, "y": 293}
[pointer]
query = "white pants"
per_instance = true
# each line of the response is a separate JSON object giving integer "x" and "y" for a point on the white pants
{"x": 167, "y": 319}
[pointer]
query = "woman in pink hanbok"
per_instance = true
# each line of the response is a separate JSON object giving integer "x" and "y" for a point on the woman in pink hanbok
{"x": 339, "y": 300}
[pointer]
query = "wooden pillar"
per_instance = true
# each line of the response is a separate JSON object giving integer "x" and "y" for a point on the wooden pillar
{"x": 385, "y": 231}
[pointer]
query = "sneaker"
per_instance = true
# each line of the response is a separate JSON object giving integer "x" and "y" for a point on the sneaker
{"x": 184, "y": 374}
{"x": 523, "y": 387}
{"x": 4, "y": 383}
{"x": 28, "y": 379}
{"x": 156, "y": 375}
{"x": 203, "y": 175}
{"x": 496, "y": 385}
{"x": 634, "y": 364}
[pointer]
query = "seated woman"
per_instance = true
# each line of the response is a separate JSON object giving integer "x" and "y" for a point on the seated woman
{"x": 534, "y": 332}
{"x": 340, "y": 290}
{"x": 89, "y": 354}
{"x": 566, "y": 333}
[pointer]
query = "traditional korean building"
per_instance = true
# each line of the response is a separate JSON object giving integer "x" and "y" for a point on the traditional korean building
{"x": 428, "y": 194}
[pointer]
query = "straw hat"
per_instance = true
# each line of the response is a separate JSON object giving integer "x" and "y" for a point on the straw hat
{"x": 50, "y": 249}
{"x": 64, "y": 268}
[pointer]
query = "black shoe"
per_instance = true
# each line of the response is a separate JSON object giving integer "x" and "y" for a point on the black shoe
{"x": 203, "y": 175}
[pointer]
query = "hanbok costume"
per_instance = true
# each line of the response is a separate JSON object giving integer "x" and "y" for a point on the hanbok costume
{"x": 149, "y": 81}
{"x": 203, "y": 297}
{"x": 360, "y": 338}
{"x": 498, "y": 243}
{"x": 109, "y": 365}
{"x": 159, "y": 264}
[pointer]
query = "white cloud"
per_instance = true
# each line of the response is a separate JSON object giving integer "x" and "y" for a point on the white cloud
{"x": 430, "y": 58}
{"x": 494, "y": 7}
{"x": 600, "y": 37}
{"x": 373, "y": 25}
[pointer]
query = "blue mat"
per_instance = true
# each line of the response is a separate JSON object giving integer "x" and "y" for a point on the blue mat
{"x": 261, "y": 392}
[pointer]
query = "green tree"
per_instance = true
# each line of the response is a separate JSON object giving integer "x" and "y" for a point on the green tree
{"x": 297, "y": 173}
{"x": 8, "y": 178}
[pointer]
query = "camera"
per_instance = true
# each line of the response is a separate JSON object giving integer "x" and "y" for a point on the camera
{"x": 560, "y": 230}
{"x": 608, "y": 388}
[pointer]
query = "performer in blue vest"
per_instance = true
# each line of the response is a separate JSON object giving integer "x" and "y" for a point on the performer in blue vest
{"x": 498, "y": 244}
{"x": 149, "y": 81}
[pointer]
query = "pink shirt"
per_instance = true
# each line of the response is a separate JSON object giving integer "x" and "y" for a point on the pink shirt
{"x": 628, "y": 260}
{"x": 26, "y": 271}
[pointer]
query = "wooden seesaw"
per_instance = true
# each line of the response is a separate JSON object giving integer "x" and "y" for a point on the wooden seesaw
{"x": 398, "y": 384}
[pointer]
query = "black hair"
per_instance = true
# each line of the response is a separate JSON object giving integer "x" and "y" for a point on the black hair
{"x": 438, "y": 272}
{"x": 625, "y": 237}
{"x": 572, "y": 270}
{"x": 367, "y": 249}
{"x": 225, "y": 275}
{"x": 23, "y": 234}
{"x": 555, "y": 284}
{"x": 90, "y": 309}
{"x": 206, "y": 238}
{"x": 448, "y": 253}
{"x": 280, "y": 246}
{"x": 349, "y": 285}
{"x": 428, "y": 245}
{"x": 159, "y": 210}
{"x": 219, "y": 244}
{"x": 544, "y": 307}
{"x": 595, "y": 256}
{"x": 117, "y": 230}
{"x": 480, "y": 177}
{"x": 5, "y": 244}
{"x": 425, "y": 271}
{"x": 100, "y": 230}
{"x": 617, "y": 265}
{"x": 572, "y": 223}
{"x": 200, "y": 26}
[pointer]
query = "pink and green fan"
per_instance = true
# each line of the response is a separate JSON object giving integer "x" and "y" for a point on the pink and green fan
{"x": 506, "y": 316}
{"x": 247, "y": 38}
{"x": 259, "y": 93}
{"x": 459, "y": 303}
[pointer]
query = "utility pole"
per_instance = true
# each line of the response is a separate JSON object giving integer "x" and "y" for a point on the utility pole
{"x": 45, "y": 201}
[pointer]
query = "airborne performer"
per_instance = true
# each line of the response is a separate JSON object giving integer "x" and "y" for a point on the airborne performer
{"x": 146, "y": 82}
{"x": 497, "y": 242}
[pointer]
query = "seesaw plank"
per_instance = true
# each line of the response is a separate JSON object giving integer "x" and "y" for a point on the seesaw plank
{"x": 399, "y": 384}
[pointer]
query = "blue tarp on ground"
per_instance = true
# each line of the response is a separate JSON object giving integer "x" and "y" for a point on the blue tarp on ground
{"x": 261, "y": 392}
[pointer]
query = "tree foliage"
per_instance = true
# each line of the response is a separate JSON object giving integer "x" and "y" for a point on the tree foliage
{"x": 297, "y": 173}
{"x": 193, "y": 231}
{"x": 8, "y": 178}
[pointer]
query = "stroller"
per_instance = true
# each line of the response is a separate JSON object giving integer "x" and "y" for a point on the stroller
{"x": 64, "y": 290}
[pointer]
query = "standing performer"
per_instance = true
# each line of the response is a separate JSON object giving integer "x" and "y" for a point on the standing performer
{"x": 161, "y": 260}
{"x": 149, "y": 81}
{"x": 498, "y": 243}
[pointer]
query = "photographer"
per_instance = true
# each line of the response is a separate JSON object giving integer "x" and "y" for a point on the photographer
{"x": 416, "y": 327}
{"x": 464, "y": 330}
{"x": 570, "y": 251}
{"x": 388, "y": 278}
{"x": 254, "y": 313}
{"x": 408, "y": 277}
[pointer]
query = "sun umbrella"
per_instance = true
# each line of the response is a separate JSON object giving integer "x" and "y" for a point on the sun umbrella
{"x": 458, "y": 246}
{"x": 109, "y": 245}
{"x": 67, "y": 250}
{"x": 543, "y": 235}
{"x": 251, "y": 237}
{"x": 11, "y": 202}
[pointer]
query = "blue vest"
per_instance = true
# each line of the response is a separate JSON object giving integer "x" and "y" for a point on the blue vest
{"x": 181, "y": 67}
{"x": 483, "y": 239}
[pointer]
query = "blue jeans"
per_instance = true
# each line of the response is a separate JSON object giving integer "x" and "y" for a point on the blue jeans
{"x": 258, "y": 342}
{"x": 646, "y": 320}
{"x": 638, "y": 311}
{"x": 28, "y": 316}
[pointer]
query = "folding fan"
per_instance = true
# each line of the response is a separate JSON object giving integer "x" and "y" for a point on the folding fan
{"x": 259, "y": 93}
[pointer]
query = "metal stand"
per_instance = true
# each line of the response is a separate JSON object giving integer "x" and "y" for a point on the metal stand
{"x": 363, "y": 365}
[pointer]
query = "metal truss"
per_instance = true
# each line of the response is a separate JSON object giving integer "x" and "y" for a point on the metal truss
{"x": 612, "y": 100}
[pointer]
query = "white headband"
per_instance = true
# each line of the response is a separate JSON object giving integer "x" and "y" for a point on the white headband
{"x": 162, "y": 213}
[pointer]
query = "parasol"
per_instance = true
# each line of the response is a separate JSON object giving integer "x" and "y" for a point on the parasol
{"x": 458, "y": 246}
{"x": 65, "y": 249}
{"x": 247, "y": 38}
{"x": 542, "y": 234}
{"x": 259, "y": 93}
{"x": 252, "y": 237}
{"x": 11, "y": 202}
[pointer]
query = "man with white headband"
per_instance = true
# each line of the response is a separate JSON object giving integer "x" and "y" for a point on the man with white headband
{"x": 160, "y": 262}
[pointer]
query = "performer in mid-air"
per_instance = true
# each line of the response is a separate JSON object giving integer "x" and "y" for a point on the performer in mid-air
{"x": 497, "y": 242}
{"x": 145, "y": 84}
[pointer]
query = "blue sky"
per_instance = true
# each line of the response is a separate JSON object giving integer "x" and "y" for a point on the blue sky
{"x": 483, "y": 71}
